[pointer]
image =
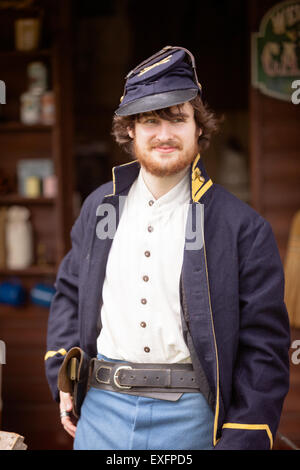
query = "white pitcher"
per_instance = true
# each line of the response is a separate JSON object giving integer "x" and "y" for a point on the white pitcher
{"x": 19, "y": 238}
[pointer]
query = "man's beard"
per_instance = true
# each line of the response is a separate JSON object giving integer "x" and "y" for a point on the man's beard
{"x": 168, "y": 164}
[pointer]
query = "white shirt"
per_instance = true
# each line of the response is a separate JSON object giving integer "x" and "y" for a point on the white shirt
{"x": 141, "y": 319}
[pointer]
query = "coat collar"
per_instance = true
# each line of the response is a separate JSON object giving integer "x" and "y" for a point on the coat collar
{"x": 124, "y": 175}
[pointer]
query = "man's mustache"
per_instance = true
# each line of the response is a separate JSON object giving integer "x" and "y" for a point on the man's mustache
{"x": 166, "y": 143}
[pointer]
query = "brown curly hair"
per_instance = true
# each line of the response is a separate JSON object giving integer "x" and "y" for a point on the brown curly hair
{"x": 205, "y": 119}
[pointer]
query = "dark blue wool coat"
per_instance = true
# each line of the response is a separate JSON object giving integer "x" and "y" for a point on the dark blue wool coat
{"x": 232, "y": 295}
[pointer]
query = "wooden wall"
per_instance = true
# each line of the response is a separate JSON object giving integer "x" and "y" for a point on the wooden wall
{"x": 274, "y": 151}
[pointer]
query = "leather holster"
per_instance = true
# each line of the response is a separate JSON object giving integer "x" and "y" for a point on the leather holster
{"x": 73, "y": 376}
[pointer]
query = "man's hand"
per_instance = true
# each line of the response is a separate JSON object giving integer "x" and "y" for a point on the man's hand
{"x": 66, "y": 404}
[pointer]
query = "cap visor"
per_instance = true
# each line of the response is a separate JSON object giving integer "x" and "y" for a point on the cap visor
{"x": 158, "y": 101}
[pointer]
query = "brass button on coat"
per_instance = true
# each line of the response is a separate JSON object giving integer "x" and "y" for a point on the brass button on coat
{"x": 150, "y": 228}
{"x": 146, "y": 278}
{"x": 144, "y": 301}
{"x": 146, "y": 349}
{"x": 151, "y": 202}
{"x": 143, "y": 324}
{"x": 147, "y": 253}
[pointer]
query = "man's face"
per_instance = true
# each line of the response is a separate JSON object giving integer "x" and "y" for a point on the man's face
{"x": 165, "y": 147}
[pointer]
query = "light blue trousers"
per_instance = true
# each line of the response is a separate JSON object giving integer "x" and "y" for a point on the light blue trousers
{"x": 118, "y": 421}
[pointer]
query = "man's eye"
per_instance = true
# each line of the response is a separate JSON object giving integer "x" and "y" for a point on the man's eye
{"x": 150, "y": 121}
{"x": 176, "y": 120}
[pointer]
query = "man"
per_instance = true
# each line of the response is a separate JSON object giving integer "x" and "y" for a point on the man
{"x": 173, "y": 286}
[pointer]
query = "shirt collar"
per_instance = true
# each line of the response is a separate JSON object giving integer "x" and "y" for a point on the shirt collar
{"x": 177, "y": 195}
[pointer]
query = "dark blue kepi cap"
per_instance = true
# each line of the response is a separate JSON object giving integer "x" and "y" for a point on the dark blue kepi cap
{"x": 165, "y": 79}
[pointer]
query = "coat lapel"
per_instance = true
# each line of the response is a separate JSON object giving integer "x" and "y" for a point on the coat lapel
{"x": 195, "y": 282}
{"x": 104, "y": 225}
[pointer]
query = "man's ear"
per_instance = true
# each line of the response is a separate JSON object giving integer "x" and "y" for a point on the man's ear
{"x": 200, "y": 131}
{"x": 130, "y": 132}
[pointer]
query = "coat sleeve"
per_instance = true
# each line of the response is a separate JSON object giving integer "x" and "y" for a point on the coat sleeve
{"x": 63, "y": 331}
{"x": 261, "y": 374}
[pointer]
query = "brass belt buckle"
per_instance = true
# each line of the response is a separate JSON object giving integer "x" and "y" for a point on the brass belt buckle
{"x": 116, "y": 382}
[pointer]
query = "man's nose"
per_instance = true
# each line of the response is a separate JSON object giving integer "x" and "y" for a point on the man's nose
{"x": 164, "y": 131}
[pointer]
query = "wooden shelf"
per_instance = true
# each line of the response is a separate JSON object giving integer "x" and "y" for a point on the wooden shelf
{"x": 9, "y": 199}
{"x": 47, "y": 270}
{"x": 26, "y": 54}
{"x": 26, "y": 311}
{"x": 16, "y": 126}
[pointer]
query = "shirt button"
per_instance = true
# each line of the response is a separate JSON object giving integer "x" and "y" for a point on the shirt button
{"x": 143, "y": 324}
{"x": 151, "y": 202}
{"x": 150, "y": 228}
{"x": 147, "y": 253}
{"x": 146, "y": 349}
{"x": 146, "y": 278}
{"x": 144, "y": 301}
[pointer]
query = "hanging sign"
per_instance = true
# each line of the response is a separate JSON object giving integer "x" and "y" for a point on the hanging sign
{"x": 276, "y": 51}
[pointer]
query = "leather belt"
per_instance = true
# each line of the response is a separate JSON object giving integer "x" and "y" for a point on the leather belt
{"x": 141, "y": 377}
